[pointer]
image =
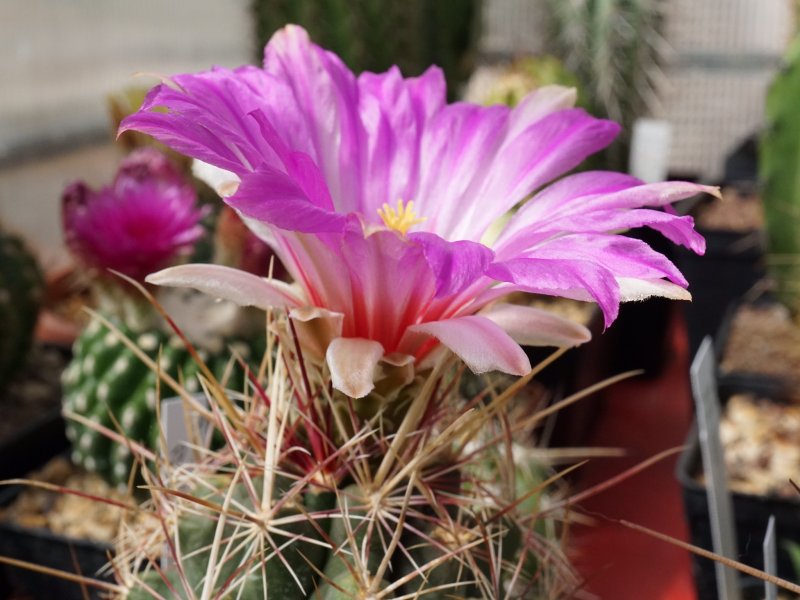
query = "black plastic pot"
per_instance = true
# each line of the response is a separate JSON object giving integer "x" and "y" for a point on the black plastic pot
{"x": 732, "y": 265}
{"x": 751, "y": 513}
{"x": 27, "y": 451}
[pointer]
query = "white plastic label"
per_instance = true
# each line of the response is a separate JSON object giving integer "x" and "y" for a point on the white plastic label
{"x": 183, "y": 430}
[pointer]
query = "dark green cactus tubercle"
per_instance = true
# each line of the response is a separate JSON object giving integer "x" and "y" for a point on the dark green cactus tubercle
{"x": 21, "y": 286}
{"x": 105, "y": 375}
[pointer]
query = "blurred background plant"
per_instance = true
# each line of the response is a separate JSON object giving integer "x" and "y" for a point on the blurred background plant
{"x": 612, "y": 47}
{"x": 373, "y": 35}
{"x": 779, "y": 166}
{"x": 21, "y": 289}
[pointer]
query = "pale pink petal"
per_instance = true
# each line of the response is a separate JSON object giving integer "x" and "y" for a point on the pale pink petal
{"x": 632, "y": 289}
{"x": 221, "y": 181}
{"x": 352, "y": 362}
{"x": 531, "y": 326}
{"x": 237, "y": 286}
{"x": 480, "y": 343}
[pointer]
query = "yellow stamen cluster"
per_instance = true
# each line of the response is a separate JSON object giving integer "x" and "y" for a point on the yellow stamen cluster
{"x": 400, "y": 219}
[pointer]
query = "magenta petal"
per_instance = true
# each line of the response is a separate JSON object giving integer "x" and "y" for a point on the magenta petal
{"x": 273, "y": 197}
{"x": 324, "y": 93}
{"x": 599, "y": 201}
{"x": 480, "y": 343}
{"x": 623, "y": 256}
{"x": 663, "y": 193}
{"x": 558, "y": 198}
{"x": 394, "y": 112}
{"x": 460, "y": 141}
{"x": 538, "y": 104}
{"x": 544, "y": 151}
{"x": 456, "y": 265}
{"x": 206, "y": 116}
{"x": 677, "y": 229}
{"x": 562, "y": 277}
{"x": 298, "y": 166}
{"x": 496, "y": 167}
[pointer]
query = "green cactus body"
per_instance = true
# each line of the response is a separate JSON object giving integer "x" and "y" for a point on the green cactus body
{"x": 341, "y": 582}
{"x": 373, "y": 35}
{"x": 270, "y": 576}
{"x": 779, "y": 166}
{"x": 21, "y": 286}
{"x": 319, "y": 556}
{"x": 106, "y": 376}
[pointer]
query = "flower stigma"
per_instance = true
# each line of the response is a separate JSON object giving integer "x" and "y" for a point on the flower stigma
{"x": 400, "y": 219}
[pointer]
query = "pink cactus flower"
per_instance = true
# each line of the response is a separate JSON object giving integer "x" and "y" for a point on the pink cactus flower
{"x": 140, "y": 223}
{"x": 380, "y": 199}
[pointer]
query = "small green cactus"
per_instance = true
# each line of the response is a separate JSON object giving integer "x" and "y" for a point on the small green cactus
{"x": 107, "y": 383}
{"x": 21, "y": 288}
{"x": 779, "y": 166}
{"x": 373, "y": 35}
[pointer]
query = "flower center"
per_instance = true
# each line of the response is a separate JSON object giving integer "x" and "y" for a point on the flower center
{"x": 400, "y": 219}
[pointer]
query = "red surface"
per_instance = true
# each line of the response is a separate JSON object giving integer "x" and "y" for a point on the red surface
{"x": 645, "y": 417}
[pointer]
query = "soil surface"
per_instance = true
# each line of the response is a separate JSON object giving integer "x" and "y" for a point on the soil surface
{"x": 67, "y": 514}
{"x": 760, "y": 438}
{"x": 739, "y": 211}
{"x": 36, "y": 392}
{"x": 763, "y": 340}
